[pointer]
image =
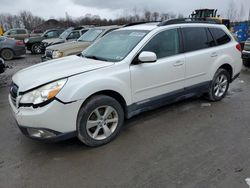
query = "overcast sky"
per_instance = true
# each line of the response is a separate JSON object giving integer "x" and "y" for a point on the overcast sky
{"x": 113, "y": 8}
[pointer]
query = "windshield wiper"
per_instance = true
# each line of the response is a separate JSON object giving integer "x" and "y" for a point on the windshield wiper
{"x": 95, "y": 57}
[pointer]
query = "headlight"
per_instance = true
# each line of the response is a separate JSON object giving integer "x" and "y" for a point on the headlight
{"x": 57, "y": 54}
{"x": 26, "y": 41}
{"x": 43, "y": 93}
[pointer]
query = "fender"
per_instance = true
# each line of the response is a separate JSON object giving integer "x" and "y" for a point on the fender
{"x": 81, "y": 87}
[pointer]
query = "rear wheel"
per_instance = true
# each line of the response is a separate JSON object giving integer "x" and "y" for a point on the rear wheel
{"x": 36, "y": 48}
{"x": 219, "y": 86}
{"x": 99, "y": 120}
{"x": 7, "y": 54}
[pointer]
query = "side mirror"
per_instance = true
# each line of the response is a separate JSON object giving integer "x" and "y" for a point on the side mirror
{"x": 147, "y": 57}
{"x": 2, "y": 66}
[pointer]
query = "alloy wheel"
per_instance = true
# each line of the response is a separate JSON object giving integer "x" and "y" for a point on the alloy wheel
{"x": 220, "y": 86}
{"x": 102, "y": 122}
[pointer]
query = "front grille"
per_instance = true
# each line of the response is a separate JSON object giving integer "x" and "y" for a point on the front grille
{"x": 49, "y": 53}
{"x": 14, "y": 93}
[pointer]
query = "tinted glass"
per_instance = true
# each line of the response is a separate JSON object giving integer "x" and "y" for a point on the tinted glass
{"x": 164, "y": 44}
{"x": 52, "y": 34}
{"x": 210, "y": 40}
{"x": 195, "y": 38}
{"x": 220, "y": 36}
{"x": 74, "y": 35}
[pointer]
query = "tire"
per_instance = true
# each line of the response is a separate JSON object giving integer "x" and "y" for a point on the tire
{"x": 219, "y": 86}
{"x": 93, "y": 126}
{"x": 7, "y": 54}
{"x": 246, "y": 63}
{"x": 36, "y": 49}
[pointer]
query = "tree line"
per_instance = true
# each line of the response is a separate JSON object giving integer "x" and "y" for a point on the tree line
{"x": 25, "y": 19}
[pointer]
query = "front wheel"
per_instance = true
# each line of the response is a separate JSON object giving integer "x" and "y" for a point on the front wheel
{"x": 219, "y": 86}
{"x": 99, "y": 120}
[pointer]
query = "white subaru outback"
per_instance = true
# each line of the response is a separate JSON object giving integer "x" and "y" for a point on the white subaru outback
{"x": 129, "y": 71}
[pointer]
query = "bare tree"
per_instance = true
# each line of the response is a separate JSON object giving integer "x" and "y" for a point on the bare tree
{"x": 147, "y": 15}
{"x": 155, "y": 16}
{"x": 232, "y": 11}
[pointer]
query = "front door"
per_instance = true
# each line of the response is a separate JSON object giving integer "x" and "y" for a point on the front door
{"x": 150, "y": 80}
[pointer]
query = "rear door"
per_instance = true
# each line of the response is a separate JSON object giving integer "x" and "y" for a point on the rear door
{"x": 199, "y": 54}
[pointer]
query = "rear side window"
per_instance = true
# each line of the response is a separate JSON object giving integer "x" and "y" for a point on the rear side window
{"x": 195, "y": 38}
{"x": 164, "y": 44}
{"x": 210, "y": 39}
{"x": 220, "y": 36}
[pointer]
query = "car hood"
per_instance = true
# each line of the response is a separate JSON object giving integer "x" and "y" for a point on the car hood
{"x": 49, "y": 71}
{"x": 38, "y": 38}
{"x": 69, "y": 45}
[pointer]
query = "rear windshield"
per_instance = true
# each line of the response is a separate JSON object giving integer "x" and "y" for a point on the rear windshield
{"x": 66, "y": 33}
{"x": 90, "y": 35}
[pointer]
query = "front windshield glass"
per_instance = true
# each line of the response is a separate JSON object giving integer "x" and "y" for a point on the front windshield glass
{"x": 115, "y": 46}
{"x": 65, "y": 34}
{"x": 90, "y": 35}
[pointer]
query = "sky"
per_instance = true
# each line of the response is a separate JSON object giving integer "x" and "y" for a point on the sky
{"x": 114, "y": 8}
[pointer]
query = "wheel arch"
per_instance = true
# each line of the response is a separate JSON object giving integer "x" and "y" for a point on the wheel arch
{"x": 111, "y": 93}
{"x": 228, "y": 68}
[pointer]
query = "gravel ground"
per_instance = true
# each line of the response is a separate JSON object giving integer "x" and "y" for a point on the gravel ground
{"x": 191, "y": 144}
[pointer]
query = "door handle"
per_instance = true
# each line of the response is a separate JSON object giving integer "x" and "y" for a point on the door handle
{"x": 178, "y": 63}
{"x": 214, "y": 54}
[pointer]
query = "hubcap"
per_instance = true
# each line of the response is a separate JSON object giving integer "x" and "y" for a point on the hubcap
{"x": 220, "y": 86}
{"x": 7, "y": 54}
{"x": 37, "y": 49}
{"x": 102, "y": 122}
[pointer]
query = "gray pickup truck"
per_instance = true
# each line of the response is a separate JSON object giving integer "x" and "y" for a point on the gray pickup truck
{"x": 19, "y": 34}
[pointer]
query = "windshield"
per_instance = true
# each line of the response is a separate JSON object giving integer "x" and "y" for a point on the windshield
{"x": 65, "y": 34}
{"x": 115, "y": 46}
{"x": 90, "y": 35}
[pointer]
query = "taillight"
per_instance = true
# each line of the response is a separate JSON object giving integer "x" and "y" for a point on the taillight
{"x": 238, "y": 47}
{"x": 19, "y": 43}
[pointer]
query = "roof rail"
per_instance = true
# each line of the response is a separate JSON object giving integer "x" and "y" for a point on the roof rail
{"x": 188, "y": 20}
{"x": 138, "y": 23}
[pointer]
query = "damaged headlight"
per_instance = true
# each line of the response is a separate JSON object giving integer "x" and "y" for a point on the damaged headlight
{"x": 43, "y": 94}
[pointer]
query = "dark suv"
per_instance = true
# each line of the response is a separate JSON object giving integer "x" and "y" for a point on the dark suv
{"x": 33, "y": 43}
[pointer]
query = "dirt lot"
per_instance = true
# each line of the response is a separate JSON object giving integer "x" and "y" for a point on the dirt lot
{"x": 192, "y": 144}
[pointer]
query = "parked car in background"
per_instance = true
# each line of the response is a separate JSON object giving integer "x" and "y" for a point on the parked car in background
{"x": 33, "y": 44}
{"x": 10, "y": 48}
{"x": 19, "y": 34}
{"x": 68, "y": 35}
{"x": 37, "y": 31}
{"x": 2, "y": 66}
{"x": 127, "y": 72}
{"x": 76, "y": 47}
{"x": 246, "y": 53}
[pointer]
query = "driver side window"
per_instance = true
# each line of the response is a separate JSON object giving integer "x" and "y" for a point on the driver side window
{"x": 51, "y": 34}
{"x": 164, "y": 44}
